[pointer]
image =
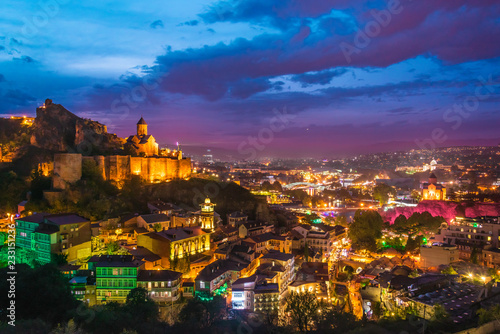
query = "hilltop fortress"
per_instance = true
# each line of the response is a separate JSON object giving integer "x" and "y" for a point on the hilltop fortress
{"x": 151, "y": 166}
{"x": 68, "y": 168}
{"x": 57, "y": 129}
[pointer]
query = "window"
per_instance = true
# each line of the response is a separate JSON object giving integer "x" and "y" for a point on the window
{"x": 169, "y": 283}
{"x": 156, "y": 284}
{"x": 202, "y": 285}
{"x": 162, "y": 284}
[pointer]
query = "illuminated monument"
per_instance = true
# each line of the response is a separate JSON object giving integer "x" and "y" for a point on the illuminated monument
{"x": 207, "y": 214}
{"x": 151, "y": 166}
{"x": 143, "y": 143}
{"x": 433, "y": 190}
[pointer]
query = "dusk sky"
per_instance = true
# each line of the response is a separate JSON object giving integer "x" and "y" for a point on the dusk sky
{"x": 353, "y": 76}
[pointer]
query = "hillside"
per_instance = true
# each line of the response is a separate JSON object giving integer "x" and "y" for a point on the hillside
{"x": 59, "y": 130}
{"x": 14, "y": 133}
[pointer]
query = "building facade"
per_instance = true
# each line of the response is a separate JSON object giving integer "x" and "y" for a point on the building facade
{"x": 433, "y": 190}
{"x": 45, "y": 234}
{"x": 163, "y": 286}
{"x": 176, "y": 242}
{"x": 116, "y": 276}
{"x": 438, "y": 254}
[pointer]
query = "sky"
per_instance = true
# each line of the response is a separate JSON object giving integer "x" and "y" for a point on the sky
{"x": 262, "y": 78}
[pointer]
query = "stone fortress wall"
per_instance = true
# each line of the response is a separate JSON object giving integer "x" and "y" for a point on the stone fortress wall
{"x": 68, "y": 168}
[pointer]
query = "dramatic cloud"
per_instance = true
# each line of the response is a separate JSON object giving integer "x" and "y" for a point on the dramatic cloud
{"x": 215, "y": 72}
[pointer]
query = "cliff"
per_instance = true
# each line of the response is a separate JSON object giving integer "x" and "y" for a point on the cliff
{"x": 57, "y": 129}
{"x": 446, "y": 209}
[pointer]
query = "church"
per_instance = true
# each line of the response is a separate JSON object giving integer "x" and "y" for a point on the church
{"x": 143, "y": 143}
{"x": 433, "y": 190}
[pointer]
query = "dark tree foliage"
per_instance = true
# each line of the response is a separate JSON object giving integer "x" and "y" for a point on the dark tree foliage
{"x": 381, "y": 193}
{"x": 365, "y": 230}
{"x": 38, "y": 184}
{"x": 42, "y": 292}
{"x": 418, "y": 223}
{"x": 200, "y": 314}
{"x": 303, "y": 309}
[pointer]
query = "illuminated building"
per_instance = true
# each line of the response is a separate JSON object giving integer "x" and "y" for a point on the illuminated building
{"x": 252, "y": 228}
{"x": 255, "y": 294}
{"x": 45, "y": 234}
{"x": 176, "y": 242}
{"x": 433, "y": 190}
{"x": 207, "y": 216}
{"x": 154, "y": 222}
{"x": 236, "y": 218}
{"x": 270, "y": 241}
{"x": 438, "y": 254}
{"x": 322, "y": 238}
{"x": 471, "y": 233}
{"x": 162, "y": 285}
{"x": 491, "y": 257}
{"x": 215, "y": 275}
{"x": 115, "y": 276}
{"x": 280, "y": 267}
{"x": 143, "y": 143}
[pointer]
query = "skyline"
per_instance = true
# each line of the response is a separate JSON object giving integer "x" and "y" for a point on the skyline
{"x": 215, "y": 73}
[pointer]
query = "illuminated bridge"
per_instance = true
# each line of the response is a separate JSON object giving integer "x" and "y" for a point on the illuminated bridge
{"x": 304, "y": 185}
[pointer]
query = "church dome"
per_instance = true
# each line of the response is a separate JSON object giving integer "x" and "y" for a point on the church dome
{"x": 142, "y": 121}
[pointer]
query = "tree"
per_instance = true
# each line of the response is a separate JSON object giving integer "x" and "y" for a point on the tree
{"x": 365, "y": 230}
{"x": 382, "y": 192}
{"x": 266, "y": 186}
{"x": 337, "y": 321}
{"x": 42, "y": 292}
{"x": 449, "y": 271}
{"x": 141, "y": 306}
{"x": 303, "y": 308}
{"x": 175, "y": 262}
{"x": 277, "y": 186}
{"x": 202, "y": 314}
{"x": 157, "y": 227}
{"x": 440, "y": 313}
{"x": 112, "y": 248}
{"x": 38, "y": 184}
{"x": 342, "y": 221}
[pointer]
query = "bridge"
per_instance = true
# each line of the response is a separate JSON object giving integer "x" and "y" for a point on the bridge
{"x": 304, "y": 185}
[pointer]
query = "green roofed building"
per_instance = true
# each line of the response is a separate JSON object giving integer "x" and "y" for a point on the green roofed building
{"x": 115, "y": 276}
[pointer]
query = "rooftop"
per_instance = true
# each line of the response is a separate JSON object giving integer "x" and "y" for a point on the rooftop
{"x": 158, "y": 275}
{"x": 155, "y": 218}
{"x": 278, "y": 256}
{"x": 176, "y": 234}
{"x": 217, "y": 268}
{"x": 115, "y": 261}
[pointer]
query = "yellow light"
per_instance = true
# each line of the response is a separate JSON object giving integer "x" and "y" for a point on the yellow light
{"x": 470, "y": 275}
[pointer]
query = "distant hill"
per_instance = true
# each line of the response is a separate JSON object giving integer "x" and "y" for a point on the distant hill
{"x": 59, "y": 130}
